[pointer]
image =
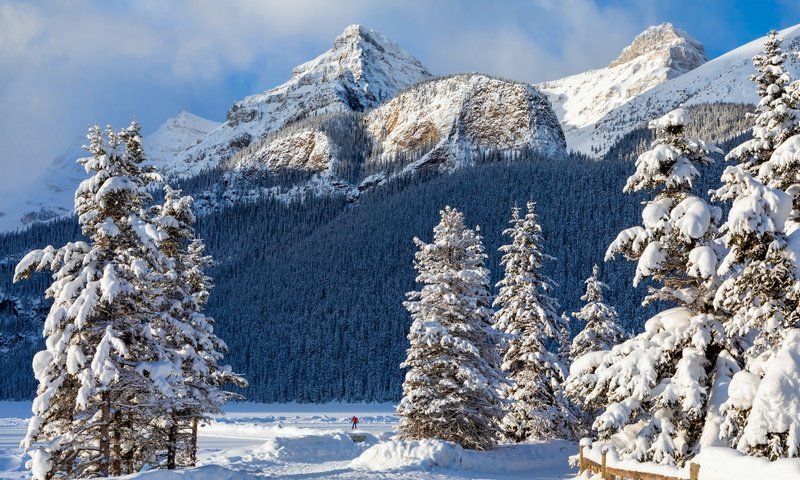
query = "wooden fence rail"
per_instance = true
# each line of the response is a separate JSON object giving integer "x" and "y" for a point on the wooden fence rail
{"x": 611, "y": 473}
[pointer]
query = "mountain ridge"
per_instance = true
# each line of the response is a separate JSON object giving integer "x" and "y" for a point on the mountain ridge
{"x": 723, "y": 79}
{"x": 362, "y": 69}
{"x": 657, "y": 55}
{"x": 367, "y": 74}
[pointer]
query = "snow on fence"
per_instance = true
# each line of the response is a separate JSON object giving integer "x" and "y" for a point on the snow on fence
{"x": 612, "y": 473}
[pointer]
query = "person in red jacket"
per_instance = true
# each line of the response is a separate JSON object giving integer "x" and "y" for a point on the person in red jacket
{"x": 355, "y": 422}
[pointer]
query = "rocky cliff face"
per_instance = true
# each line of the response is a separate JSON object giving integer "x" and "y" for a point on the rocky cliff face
{"x": 362, "y": 69}
{"x": 655, "y": 56}
{"x": 454, "y": 117}
{"x": 306, "y": 150}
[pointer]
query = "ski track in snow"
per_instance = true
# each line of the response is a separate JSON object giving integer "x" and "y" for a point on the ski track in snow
{"x": 302, "y": 441}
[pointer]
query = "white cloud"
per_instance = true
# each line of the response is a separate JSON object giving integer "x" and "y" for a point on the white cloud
{"x": 19, "y": 24}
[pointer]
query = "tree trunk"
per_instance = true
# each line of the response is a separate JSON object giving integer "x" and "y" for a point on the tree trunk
{"x": 172, "y": 437}
{"x": 105, "y": 443}
{"x": 116, "y": 462}
{"x": 193, "y": 444}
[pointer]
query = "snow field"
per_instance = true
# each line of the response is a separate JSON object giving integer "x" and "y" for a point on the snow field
{"x": 517, "y": 459}
{"x": 312, "y": 441}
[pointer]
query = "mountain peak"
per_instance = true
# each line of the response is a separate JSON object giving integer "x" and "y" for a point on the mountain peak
{"x": 354, "y": 30}
{"x": 670, "y": 46}
{"x": 368, "y": 56}
{"x": 361, "y": 70}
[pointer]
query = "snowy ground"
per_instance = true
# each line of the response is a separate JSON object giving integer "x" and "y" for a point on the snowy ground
{"x": 312, "y": 441}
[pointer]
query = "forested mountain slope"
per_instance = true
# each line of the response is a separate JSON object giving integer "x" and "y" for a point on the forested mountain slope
{"x": 309, "y": 294}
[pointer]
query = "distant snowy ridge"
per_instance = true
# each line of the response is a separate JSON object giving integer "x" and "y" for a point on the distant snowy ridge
{"x": 174, "y": 137}
{"x": 53, "y": 195}
{"x": 723, "y": 79}
{"x": 655, "y": 56}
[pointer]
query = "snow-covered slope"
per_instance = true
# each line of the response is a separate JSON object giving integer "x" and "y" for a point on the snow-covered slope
{"x": 724, "y": 79}
{"x": 361, "y": 70}
{"x": 53, "y": 193}
{"x": 657, "y": 55}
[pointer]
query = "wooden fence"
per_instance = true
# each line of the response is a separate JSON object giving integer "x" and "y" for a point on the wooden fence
{"x": 611, "y": 473}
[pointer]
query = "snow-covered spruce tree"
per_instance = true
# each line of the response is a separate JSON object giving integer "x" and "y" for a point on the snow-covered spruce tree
{"x": 678, "y": 228}
{"x": 526, "y": 313}
{"x": 653, "y": 389}
{"x": 101, "y": 374}
{"x": 600, "y": 334}
{"x": 450, "y": 389}
{"x": 760, "y": 293}
{"x": 186, "y": 333}
{"x": 205, "y": 380}
{"x": 602, "y": 330}
{"x": 760, "y": 298}
{"x": 771, "y": 156}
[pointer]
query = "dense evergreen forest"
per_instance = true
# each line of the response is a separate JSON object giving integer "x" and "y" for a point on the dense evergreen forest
{"x": 309, "y": 294}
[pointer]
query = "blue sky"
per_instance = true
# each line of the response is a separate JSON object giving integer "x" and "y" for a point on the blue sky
{"x": 66, "y": 65}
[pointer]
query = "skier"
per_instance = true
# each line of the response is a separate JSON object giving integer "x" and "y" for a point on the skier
{"x": 354, "y": 420}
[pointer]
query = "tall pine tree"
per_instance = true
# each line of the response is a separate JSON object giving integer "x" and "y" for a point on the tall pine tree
{"x": 98, "y": 372}
{"x": 775, "y": 119}
{"x": 527, "y": 314}
{"x": 450, "y": 389}
{"x": 760, "y": 295}
{"x": 188, "y": 333}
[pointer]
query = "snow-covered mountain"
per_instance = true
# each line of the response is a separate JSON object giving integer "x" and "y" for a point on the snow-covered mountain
{"x": 723, "y": 79}
{"x": 362, "y": 69}
{"x": 440, "y": 120}
{"x": 54, "y": 191}
{"x": 174, "y": 137}
{"x": 655, "y": 56}
{"x": 438, "y": 124}
{"x": 401, "y": 112}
